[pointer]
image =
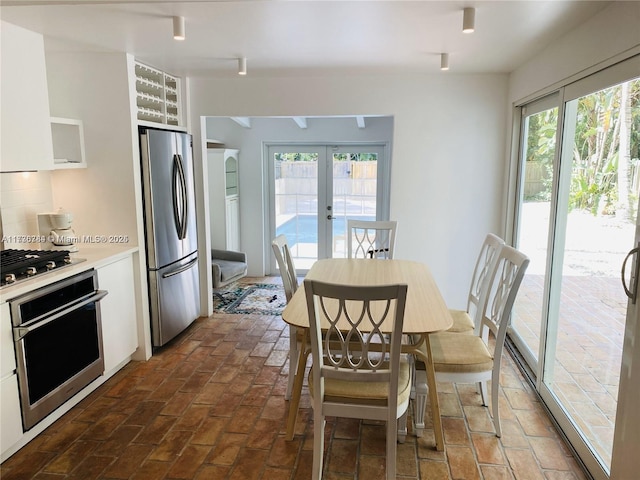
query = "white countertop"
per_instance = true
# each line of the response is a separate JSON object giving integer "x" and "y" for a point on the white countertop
{"x": 94, "y": 257}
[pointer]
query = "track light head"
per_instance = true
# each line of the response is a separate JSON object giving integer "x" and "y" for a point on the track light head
{"x": 444, "y": 61}
{"x": 178, "y": 28}
{"x": 468, "y": 20}
{"x": 242, "y": 66}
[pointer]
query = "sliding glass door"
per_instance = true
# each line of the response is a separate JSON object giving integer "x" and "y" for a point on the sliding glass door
{"x": 576, "y": 218}
{"x": 316, "y": 188}
{"x": 539, "y": 132}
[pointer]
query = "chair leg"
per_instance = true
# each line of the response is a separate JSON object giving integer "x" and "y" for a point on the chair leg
{"x": 293, "y": 360}
{"x": 391, "y": 450}
{"x": 482, "y": 387}
{"x": 318, "y": 443}
{"x": 420, "y": 402}
{"x": 494, "y": 404}
{"x": 402, "y": 427}
{"x": 412, "y": 364}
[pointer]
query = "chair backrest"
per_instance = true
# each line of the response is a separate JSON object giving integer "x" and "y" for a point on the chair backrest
{"x": 285, "y": 265}
{"x": 346, "y": 330}
{"x": 371, "y": 239}
{"x": 504, "y": 284}
{"x": 485, "y": 265}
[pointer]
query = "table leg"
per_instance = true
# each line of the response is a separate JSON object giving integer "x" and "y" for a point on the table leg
{"x": 296, "y": 392}
{"x": 433, "y": 397}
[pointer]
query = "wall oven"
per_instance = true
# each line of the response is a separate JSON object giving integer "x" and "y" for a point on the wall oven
{"x": 58, "y": 343}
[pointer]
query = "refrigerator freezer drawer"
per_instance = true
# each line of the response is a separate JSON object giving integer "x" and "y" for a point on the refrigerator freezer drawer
{"x": 175, "y": 299}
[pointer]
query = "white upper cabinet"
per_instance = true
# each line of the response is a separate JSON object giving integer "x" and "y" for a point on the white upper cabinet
{"x": 68, "y": 143}
{"x": 25, "y": 128}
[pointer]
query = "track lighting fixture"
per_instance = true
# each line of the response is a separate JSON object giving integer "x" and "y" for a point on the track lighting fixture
{"x": 242, "y": 66}
{"x": 178, "y": 28}
{"x": 444, "y": 61}
{"x": 468, "y": 20}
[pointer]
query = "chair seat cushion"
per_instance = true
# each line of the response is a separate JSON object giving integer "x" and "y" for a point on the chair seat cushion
{"x": 462, "y": 322}
{"x": 372, "y": 393}
{"x": 455, "y": 353}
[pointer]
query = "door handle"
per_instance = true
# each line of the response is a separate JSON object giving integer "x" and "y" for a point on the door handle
{"x": 175, "y": 176}
{"x": 329, "y": 217}
{"x": 185, "y": 200}
{"x": 632, "y": 289}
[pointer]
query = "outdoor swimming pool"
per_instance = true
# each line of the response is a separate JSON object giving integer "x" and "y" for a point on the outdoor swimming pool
{"x": 304, "y": 228}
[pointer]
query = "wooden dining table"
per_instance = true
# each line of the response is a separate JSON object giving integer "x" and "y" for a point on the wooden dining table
{"x": 425, "y": 312}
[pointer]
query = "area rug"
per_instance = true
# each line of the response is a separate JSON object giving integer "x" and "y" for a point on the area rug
{"x": 250, "y": 298}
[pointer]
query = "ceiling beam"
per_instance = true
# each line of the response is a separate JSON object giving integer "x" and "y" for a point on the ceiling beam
{"x": 300, "y": 121}
{"x": 242, "y": 121}
{"x": 360, "y": 121}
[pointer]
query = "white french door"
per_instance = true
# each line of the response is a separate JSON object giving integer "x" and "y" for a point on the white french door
{"x": 316, "y": 188}
{"x": 576, "y": 217}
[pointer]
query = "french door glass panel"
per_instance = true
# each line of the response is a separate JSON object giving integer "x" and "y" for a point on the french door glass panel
{"x": 577, "y": 241}
{"x": 316, "y": 189}
{"x": 354, "y": 191}
{"x": 296, "y": 200}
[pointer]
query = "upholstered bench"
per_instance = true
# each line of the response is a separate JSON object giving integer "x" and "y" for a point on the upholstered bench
{"x": 227, "y": 266}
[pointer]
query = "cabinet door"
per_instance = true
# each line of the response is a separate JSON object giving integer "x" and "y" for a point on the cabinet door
{"x": 233, "y": 223}
{"x": 118, "y": 312}
{"x": 10, "y": 415}
{"x": 7, "y": 355}
{"x": 223, "y": 195}
{"x": 25, "y": 128}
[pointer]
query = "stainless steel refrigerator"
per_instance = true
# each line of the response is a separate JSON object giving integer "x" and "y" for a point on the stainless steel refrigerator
{"x": 170, "y": 230}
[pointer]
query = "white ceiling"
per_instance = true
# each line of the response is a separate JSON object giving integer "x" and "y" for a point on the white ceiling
{"x": 305, "y": 36}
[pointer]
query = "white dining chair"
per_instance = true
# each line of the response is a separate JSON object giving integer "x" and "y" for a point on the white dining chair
{"x": 357, "y": 372}
{"x": 290, "y": 284}
{"x": 371, "y": 238}
{"x": 465, "y": 321}
{"x": 473, "y": 358}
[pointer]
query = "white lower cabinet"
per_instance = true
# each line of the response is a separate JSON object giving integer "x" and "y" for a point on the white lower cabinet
{"x": 7, "y": 355}
{"x": 10, "y": 416}
{"x": 118, "y": 312}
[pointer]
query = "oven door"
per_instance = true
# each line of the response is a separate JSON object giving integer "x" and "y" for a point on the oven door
{"x": 60, "y": 351}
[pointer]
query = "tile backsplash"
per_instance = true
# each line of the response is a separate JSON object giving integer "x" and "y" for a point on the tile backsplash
{"x": 22, "y": 196}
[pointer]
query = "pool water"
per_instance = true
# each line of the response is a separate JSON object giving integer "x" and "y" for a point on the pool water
{"x": 304, "y": 228}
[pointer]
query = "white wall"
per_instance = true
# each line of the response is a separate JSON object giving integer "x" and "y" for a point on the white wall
{"x": 95, "y": 88}
{"x": 447, "y": 161}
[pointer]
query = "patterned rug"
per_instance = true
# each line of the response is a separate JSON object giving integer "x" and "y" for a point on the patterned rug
{"x": 250, "y": 298}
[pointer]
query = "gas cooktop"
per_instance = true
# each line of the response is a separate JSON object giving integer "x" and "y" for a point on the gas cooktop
{"x": 17, "y": 264}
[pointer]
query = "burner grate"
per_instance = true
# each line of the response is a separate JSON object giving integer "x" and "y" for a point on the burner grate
{"x": 25, "y": 263}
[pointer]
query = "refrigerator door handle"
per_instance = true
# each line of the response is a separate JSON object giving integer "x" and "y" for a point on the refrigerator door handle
{"x": 183, "y": 268}
{"x": 185, "y": 200}
{"x": 179, "y": 214}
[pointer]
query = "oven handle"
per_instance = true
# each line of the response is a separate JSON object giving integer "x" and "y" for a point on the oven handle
{"x": 20, "y": 332}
